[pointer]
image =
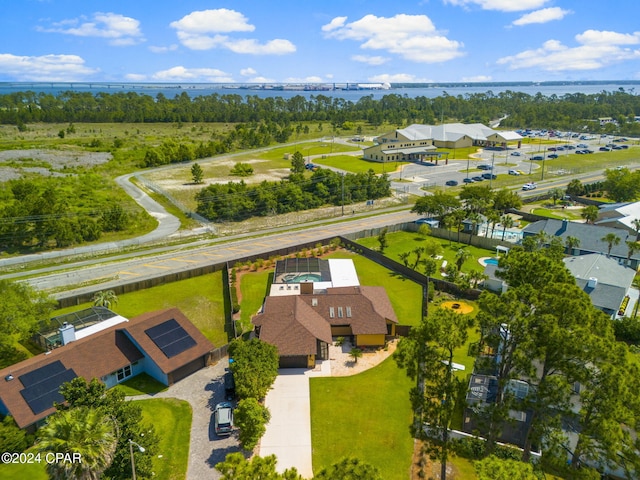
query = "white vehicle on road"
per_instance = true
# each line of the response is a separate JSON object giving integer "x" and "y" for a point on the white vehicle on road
{"x": 529, "y": 186}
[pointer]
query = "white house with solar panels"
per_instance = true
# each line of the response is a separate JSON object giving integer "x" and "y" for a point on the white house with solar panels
{"x": 165, "y": 345}
{"x": 420, "y": 142}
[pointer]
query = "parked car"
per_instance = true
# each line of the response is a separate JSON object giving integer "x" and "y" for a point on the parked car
{"x": 605, "y": 149}
{"x": 489, "y": 176}
{"x": 477, "y": 179}
{"x": 468, "y": 180}
{"x": 484, "y": 166}
{"x": 514, "y": 172}
{"x": 451, "y": 183}
{"x": 516, "y": 154}
{"x": 553, "y": 155}
{"x": 223, "y": 418}
{"x": 551, "y": 149}
{"x": 537, "y": 157}
{"x": 229, "y": 386}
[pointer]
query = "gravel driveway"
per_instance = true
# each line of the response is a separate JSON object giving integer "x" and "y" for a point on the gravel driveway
{"x": 202, "y": 390}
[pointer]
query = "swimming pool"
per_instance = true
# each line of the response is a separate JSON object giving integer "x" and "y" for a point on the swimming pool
{"x": 303, "y": 277}
{"x": 491, "y": 261}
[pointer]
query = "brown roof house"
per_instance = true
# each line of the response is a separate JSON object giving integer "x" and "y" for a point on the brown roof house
{"x": 163, "y": 344}
{"x": 302, "y": 325}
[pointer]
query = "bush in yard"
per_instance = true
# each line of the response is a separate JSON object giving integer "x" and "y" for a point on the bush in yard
{"x": 251, "y": 418}
{"x": 255, "y": 367}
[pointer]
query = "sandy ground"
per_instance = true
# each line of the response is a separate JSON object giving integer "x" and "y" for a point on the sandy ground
{"x": 51, "y": 161}
{"x": 342, "y": 365}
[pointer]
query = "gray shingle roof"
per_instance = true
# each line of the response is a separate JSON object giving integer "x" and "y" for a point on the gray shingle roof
{"x": 590, "y": 236}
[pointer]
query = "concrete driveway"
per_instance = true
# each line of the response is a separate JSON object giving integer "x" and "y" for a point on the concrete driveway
{"x": 288, "y": 434}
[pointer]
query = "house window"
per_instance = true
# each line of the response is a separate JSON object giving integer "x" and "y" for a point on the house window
{"x": 348, "y": 312}
{"x": 314, "y": 302}
{"x": 124, "y": 373}
{"x": 332, "y": 312}
{"x": 340, "y": 313}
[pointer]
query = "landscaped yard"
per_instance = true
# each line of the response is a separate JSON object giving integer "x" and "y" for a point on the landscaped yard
{"x": 140, "y": 385}
{"x": 366, "y": 416}
{"x": 400, "y": 242}
{"x": 172, "y": 421}
{"x": 199, "y": 298}
{"x": 405, "y": 295}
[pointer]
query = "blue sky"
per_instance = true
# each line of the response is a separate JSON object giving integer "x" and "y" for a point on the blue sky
{"x": 266, "y": 41}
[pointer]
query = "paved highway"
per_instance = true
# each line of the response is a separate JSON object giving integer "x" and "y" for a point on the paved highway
{"x": 112, "y": 272}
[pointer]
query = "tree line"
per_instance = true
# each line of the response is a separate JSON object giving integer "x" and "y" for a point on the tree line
{"x": 571, "y": 111}
{"x": 50, "y": 212}
{"x": 235, "y": 201}
{"x": 543, "y": 334}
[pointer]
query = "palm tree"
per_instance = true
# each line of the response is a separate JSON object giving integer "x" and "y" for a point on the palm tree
{"x": 636, "y": 284}
{"x": 556, "y": 194}
{"x": 105, "y": 298}
{"x": 590, "y": 213}
{"x": 475, "y": 277}
{"x": 636, "y": 226}
{"x": 611, "y": 239}
{"x": 475, "y": 219}
{"x": 355, "y": 353}
{"x": 404, "y": 257}
{"x": 571, "y": 243}
{"x": 83, "y": 431}
{"x": 632, "y": 247}
{"x": 507, "y": 222}
{"x": 448, "y": 222}
{"x": 493, "y": 217}
{"x": 462, "y": 255}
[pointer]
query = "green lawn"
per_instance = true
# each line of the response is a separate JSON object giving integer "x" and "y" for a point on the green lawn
{"x": 172, "y": 421}
{"x": 367, "y": 416}
{"x": 358, "y": 164}
{"x": 254, "y": 288}
{"x": 558, "y": 214}
{"x": 199, "y": 298}
{"x": 407, "y": 241}
{"x": 405, "y": 295}
{"x": 140, "y": 385}
{"x": 18, "y": 471}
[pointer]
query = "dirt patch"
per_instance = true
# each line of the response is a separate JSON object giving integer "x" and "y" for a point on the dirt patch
{"x": 457, "y": 306}
{"x": 50, "y": 161}
{"x": 424, "y": 468}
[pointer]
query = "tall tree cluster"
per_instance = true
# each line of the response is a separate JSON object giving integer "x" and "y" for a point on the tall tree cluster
{"x": 236, "y": 201}
{"x": 567, "y": 112}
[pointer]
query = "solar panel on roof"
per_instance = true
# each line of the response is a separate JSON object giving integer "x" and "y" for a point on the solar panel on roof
{"x": 41, "y": 373}
{"x": 170, "y": 338}
{"x": 42, "y": 395}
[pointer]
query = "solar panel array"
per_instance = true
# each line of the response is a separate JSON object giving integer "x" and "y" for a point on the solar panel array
{"x": 42, "y": 386}
{"x": 170, "y": 338}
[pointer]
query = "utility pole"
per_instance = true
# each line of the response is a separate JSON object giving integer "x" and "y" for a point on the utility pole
{"x": 493, "y": 159}
{"x": 342, "y": 194}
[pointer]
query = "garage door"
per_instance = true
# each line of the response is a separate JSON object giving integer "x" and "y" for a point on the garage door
{"x": 299, "y": 361}
{"x": 186, "y": 370}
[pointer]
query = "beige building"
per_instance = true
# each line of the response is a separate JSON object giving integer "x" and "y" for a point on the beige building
{"x": 420, "y": 142}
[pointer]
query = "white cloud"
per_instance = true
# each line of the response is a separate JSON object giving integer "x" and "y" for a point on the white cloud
{"x": 398, "y": 78}
{"x": 205, "y": 29}
{"x": 50, "y": 68}
{"x": 260, "y": 80}
{"x": 500, "y": 5}
{"x": 183, "y": 74}
{"x": 597, "y": 49}
{"x": 542, "y": 16}
{"x": 477, "y": 78}
{"x": 253, "y": 47}
{"x": 221, "y": 20}
{"x": 135, "y": 77}
{"x": 309, "y": 79}
{"x": 158, "y": 49}
{"x": 118, "y": 29}
{"x": 247, "y": 72}
{"x": 377, "y": 60}
{"x": 412, "y": 37}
